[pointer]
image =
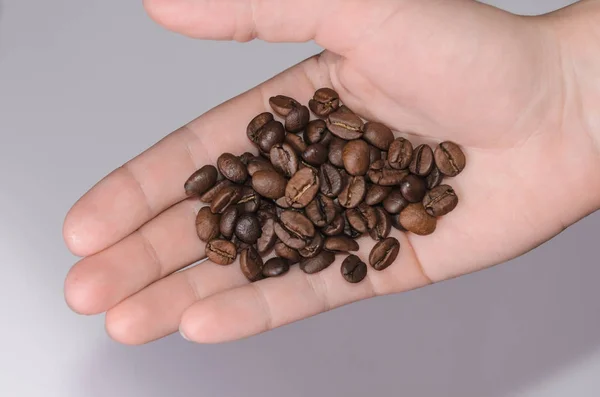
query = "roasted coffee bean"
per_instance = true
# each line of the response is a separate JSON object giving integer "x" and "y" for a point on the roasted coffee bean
{"x": 383, "y": 175}
{"x": 302, "y": 188}
{"x": 267, "y": 238}
{"x": 315, "y": 154}
{"x": 269, "y": 134}
{"x": 313, "y": 247}
{"x": 434, "y": 178}
{"x": 355, "y": 156}
{"x": 321, "y": 210}
{"x": 353, "y": 269}
{"x": 384, "y": 253}
{"x": 282, "y": 203}
{"x": 383, "y": 226}
{"x": 283, "y": 251}
{"x": 336, "y": 148}
{"x": 449, "y": 158}
{"x": 256, "y": 124}
{"x": 362, "y": 218}
{"x": 207, "y": 224}
{"x": 440, "y": 200}
{"x": 353, "y": 193}
{"x": 258, "y": 164}
{"x": 415, "y": 219}
{"x": 296, "y": 142}
{"x": 341, "y": 244}
{"x": 297, "y": 119}
{"x": 336, "y": 227}
{"x": 246, "y": 157}
{"x": 227, "y": 197}
{"x": 269, "y": 184}
{"x": 251, "y": 264}
{"x": 298, "y": 224}
{"x": 395, "y": 202}
{"x": 345, "y": 109}
{"x": 349, "y": 230}
{"x": 228, "y": 221}
{"x": 374, "y": 154}
{"x": 331, "y": 180}
{"x": 275, "y": 267}
{"x": 216, "y": 189}
{"x": 413, "y": 188}
{"x": 221, "y": 252}
{"x": 376, "y": 194}
{"x": 347, "y": 126}
{"x": 396, "y": 223}
{"x": 315, "y": 131}
{"x": 248, "y": 228}
{"x": 378, "y": 135}
{"x": 400, "y": 154}
{"x": 239, "y": 244}
{"x": 200, "y": 181}
{"x": 324, "y": 102}
{"x": 282, "y": 105}
{"x": 232, "y": 168}
{"x": 288, "y": 238}
{"x": 267, "y": 210}
{"x": 318, "y": 263}
{"x": 284, "y": 159}
{"x": 422, "y": 160}
{"x": 250, "y": 200}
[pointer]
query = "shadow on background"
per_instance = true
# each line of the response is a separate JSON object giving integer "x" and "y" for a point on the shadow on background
{"x": 487, "y": 334}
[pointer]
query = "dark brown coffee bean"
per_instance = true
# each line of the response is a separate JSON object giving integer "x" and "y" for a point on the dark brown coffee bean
{"x": 268, "y": 135}
{"x": 315, "y": 154}
{"x": 353, "y": 269}
{"x": 374, "y": 154}
{"x": 384, "y": 253}
{"x": 282, "y": 203}
{"x": 355, "y": 156}
{"x": 413, "y": 188}
{"x": 422, "y": 160}
{"x": 395, "y": 202}
{"x": 200, "y": 181}
{"x": 227, "y": 197}
{"x": 269, "y": 184}
{"x": 221, "y": 252}
{"x": 349, "y": 230}
{"x": 288, "y": 238}
{"x": 324, "y": 102}
{"x": 248, "y": 228}
{"x": 331, "y": 180}
{"x": 251, "y": 264}
{"x": 376, "y": 194}
{"x": 283, "y": 251}
{"x": 378, "y": 135}
{"x": 318, "y": 263}
{"x": 313, "y": 247}
{"x": 400, "y": 154}
{"x": 267, "y": 238}
{"x": 232, "y": 168}
{"x": 216, "y": 189}
{"x": 383, "y": 226}
{"x": 354, "y": 191}
{"x": 315, "y": 131}
{"x": 345, "y": 109}
{"x": 267, "y": 210}
{"x": 298, "y": 224}
{"x": 336, "y": 148}
{"x": 362, "y": 218}
{"x": 228, "y": 221}
{"x": 336, "y": 227}
{"x": 415, "y": 219}
{"x": 256, "y": 124}
{"x": 396, "y": 223}
{"x": 284, "y": 159}
{"x": 440, "y": 200}
{"x": 282, "y": 105}
{"x": 434, "y": 178}
{"x": 341, "y": 244}
{"x": 207, "y": 224}
{"x": 239, "y": 244}
{"x": 302, "y": 188}
{"x": 296, "y": 142}
{"x": 321, "y": 210}
{"x": 275, "y": 267}
{"x": 257, "y": 164}
{"x": 449, "y": 158}
{"x": 383, "y": 175}
{"x": 246, "y": 157}
{"x": 250, "y": 200}
{"x": 297, "y": 119}
{"x": 347, "y": 126}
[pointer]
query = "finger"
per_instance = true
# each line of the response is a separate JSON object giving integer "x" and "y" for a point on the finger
{"x": 335, "y": 24}
{"x": 166, "y": 244}
{"x": 153, "y": 181}
{"x": 271, "y": 303}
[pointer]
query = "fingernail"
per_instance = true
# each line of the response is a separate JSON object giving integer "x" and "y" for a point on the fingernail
{"x": 183, "y": 335}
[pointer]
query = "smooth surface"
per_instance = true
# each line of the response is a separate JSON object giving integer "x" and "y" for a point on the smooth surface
{"x": 86, "y": 85}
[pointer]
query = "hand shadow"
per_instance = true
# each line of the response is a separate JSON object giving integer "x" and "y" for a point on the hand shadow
{"x": 487, "y": 334}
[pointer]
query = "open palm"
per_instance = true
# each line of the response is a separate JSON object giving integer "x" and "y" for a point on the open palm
{"x": 431, "y": 70}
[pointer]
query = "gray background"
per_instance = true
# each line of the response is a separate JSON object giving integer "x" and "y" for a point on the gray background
{"x": 80, "y": 79}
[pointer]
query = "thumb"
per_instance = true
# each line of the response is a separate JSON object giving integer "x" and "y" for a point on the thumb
{"x": 333, "y": 24}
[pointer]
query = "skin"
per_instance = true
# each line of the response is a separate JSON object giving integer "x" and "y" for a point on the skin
{"x": 519, "y": 94}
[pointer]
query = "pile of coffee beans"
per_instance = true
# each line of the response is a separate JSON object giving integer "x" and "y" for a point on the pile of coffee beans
{"x": 315, "y": 186}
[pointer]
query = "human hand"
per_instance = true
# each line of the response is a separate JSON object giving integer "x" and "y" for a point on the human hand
{"x": 506, "y": 88}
